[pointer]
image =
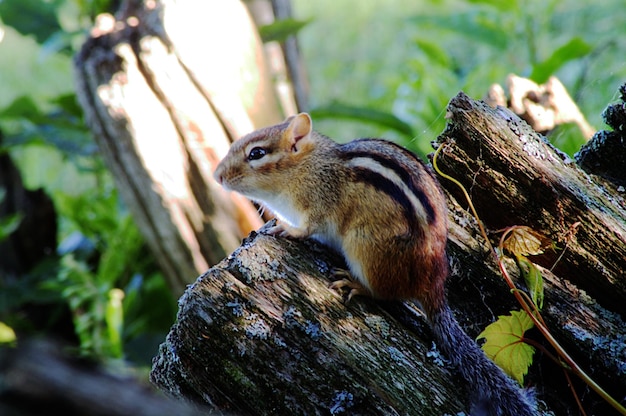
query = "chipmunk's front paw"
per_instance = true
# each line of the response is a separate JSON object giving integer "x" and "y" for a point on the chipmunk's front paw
{"x": 285, "y": 230}
{"x": 277, "y": 230}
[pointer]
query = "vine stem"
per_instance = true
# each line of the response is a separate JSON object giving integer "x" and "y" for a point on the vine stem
{"x": 532, "y": 312}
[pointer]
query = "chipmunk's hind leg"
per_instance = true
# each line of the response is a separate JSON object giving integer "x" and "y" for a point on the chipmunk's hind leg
{"x": 346, "y": 281}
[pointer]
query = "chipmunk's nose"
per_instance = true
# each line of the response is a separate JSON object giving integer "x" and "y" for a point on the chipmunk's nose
{"x": 218, "y": 174}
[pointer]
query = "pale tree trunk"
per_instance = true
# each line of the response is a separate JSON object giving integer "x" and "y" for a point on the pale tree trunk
{"x": 166, "y": 87}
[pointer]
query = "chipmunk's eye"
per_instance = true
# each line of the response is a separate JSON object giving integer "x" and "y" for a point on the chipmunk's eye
{"x": 257, "y": 153}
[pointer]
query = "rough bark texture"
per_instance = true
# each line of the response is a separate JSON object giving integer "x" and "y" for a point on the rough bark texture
{"x": 515, "y": 177}
{"x": 166, "y": 86}
{"x": 605, "y": 154}
{"x": 260, "y": 333}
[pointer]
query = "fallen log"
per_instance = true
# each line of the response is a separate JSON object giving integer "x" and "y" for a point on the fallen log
{"x": 261, "y": 333}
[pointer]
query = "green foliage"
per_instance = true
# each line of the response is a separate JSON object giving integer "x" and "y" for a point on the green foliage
{"x": 9, "y": 223}
{"x": 432, "y": 50}
{"x": 120, "y": 304}
{"x": 480, "y": 45}
{"x": 505, "y": 337}
{"x": 368, "y": 115}
{"x": 97, "y": 263}
{"x": 43, "y": 19}
{"x": 504, "y": 344}
{"x": 32, "y": 17}
{"x": 568, "y": 138}
{"x": 574, "y": 49}
{"x": 280, "y": 30}
{"x": 7, "y": 335}
{"x": 90, "y": 285}
{"x": 533, "y": 278}
{"x": 24, "y": 123}
{"x": 502, "y": 5}
{"x": 475, "y": 25}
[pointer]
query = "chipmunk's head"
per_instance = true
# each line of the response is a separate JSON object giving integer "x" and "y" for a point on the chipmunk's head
{"x": 259, "y": 164}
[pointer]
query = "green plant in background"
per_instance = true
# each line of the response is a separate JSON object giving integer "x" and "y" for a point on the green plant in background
{"x": 484, "y": 41}
{"x": 102, "y": 272}
{"x": 95, "y": 261}
{"x": 438, "y": 48}
{"x": 9, "y": 223}
{"x": 279, "y": 31}
{"x": 103, "y": 269}
{"x": 7, "y": 334}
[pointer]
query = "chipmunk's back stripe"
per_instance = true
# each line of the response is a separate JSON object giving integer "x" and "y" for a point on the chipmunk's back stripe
{"x": 386, "y": 185}
{"x": 405, "y": 178}
{"x": 411, "y": 179}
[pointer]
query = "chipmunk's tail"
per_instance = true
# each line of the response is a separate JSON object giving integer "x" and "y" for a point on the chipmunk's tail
{"x": 492, "y": 392}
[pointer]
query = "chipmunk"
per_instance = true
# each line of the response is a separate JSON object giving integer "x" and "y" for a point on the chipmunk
{"x": 383, "y": 209}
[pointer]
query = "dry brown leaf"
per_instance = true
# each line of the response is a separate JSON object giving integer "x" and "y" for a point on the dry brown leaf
{"x": 521, "y": 240}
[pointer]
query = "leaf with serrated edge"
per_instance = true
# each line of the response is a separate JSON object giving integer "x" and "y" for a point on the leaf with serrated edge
{"x": 522, "y": 240}
{"x": 504, "y": 345}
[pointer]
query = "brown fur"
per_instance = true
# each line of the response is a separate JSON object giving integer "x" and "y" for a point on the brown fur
{"x": 399, "y": 259}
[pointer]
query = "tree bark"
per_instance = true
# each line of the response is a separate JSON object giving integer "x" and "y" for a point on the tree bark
{"x": 166, "y": 86}
{"x": 515, "y": 177}
{"x": 261, "y": 333}
{"x": 605, "y": 154}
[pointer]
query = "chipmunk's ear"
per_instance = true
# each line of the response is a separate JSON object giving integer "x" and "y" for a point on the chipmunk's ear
{"x": 300, "y": 127}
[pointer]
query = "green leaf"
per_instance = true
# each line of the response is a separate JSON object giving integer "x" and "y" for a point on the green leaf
{"x": 7, "y": 334}
{"x": 32, "y": 17}
{"x": 58, "y": 42}
{"x": 363, "y": 114}
{"x": 533, "y": 278}
{"x": 92, "y": 8}
{"x": 434, "y": 52}
{"x": 9, "y": 224}
{"x": 122, "y": 245}
{"x": 280, "y": 30}
{"x": 114, "y": 318}
{"x": 69, "y": 103}
{"x": 22, "y": 107}
{"x": 567, "y": 137}
{"x": 504, "y": 344}
{"x": 501, "y": 5}
{"x": 574, "y": 49}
